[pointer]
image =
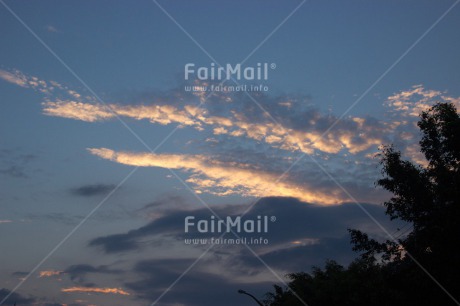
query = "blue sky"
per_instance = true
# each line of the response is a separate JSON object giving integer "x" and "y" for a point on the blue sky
{"x": 97, "y": 126}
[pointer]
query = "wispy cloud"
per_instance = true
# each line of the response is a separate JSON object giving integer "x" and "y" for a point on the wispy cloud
{"x": 297, "y": 128}
{"x": 26, "y": 81}
{"x": 49, "y": 273}
{"x": 92, "y": 190}
{"x": 413, "y": 101}
{"x": 223, "y": 178}
{"x": 15, "y": 77}
{"x": 353, "y": 134}
{"x": 5, "y": 221}
{"x": 235, "y": 133}
{"x": 16, "y": 164}
{"x": 78, "y": 273}
{"x": 51, "y": 29}
{"x": 96, "y": 290}
{"x": 14, "y": 297}
{"x": 77, "y": 110}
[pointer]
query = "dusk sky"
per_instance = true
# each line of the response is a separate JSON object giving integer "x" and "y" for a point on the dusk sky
{"x": 107, "y": 144}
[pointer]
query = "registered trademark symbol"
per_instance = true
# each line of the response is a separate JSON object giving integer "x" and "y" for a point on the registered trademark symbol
{"x": 273, "y": 66}
{"x": 273, "y": 218}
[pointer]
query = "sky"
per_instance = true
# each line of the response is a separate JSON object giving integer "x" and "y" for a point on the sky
{"x": 109, "y": 143}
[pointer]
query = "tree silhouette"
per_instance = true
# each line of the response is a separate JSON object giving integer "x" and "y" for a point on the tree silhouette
{"x": 421, "y": 268}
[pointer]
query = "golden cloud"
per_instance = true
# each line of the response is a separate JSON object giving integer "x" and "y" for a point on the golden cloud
{"x": 238, "y": 125}
{"x": 224, "y": 178}
{"x": 77, "y": 110}
{"x": 95, "y": 290}
{"x": 418, "y": 99}
{"x": 15, "y": 77}
{"x": 49, "y": 273}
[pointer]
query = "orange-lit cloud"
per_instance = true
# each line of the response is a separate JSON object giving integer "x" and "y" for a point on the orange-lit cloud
{"x": 237, "y": 125}
{"x": 413, "y": 152}
{"x": 95, "y": 290}
{"x": 15, "y": 77}
{"x": 224, "y": 178}
{"x": 77, "y": 110}
{"x": 20, "y": 79}
{"x": 49, "y": 273}
{"x": 417, "y": 99}
{"x": 298, "y": 129}
{"x": 352, "y": 135}
{"x": 280, "y": 135}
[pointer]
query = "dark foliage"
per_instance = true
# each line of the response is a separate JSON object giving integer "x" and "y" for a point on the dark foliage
{"x": 420, "y": 268}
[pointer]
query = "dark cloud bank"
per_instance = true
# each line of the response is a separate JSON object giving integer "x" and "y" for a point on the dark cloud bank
{"x": 92, "y": 190}
{"x": 324, "y": 226}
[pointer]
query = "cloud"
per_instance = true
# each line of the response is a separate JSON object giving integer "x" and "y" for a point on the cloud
{"x": 196, "y": 288}
{"x": 302, "y": 257}
{"x": 78, "y": 273}
{"x": 14, "y": 297}
{"x": 355, "y": 134}
{"x": 49, "y": 273}
{"x": 302, "y": 236}
{"x": 92, "y": 190}
{"x": 298, "y": 127}
{"x": 20, "y": 274}
{"x": 295, "y": 221}
{"x": 77, "y": 110}
{"x": 5, "y": 221}
{"x": 96, "y": 290}
{"x": 15, "y": 77}
{"x": 14, "y": 171}
{"x": 15, "y": 164}
{"x": 221, "y": 178}
{"x": 47, "y": 88}
{"x": 260, "y": 146}
{"x": 167, "y": 201}
{"x": 410, "y": 103}
{"x": 51, "y": 29}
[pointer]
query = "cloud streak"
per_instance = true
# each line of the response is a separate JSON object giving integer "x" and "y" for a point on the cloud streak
{"x": 92, "y": 190}
{"x": 256, "y": 148}
{"x": 49, "y": 273}
{"x": 16, "y": 78}
{"x": 96, "y": 290}
{"x": 354, "y": 134}
{"x": 223, "y": 178}
{"x": 411, "y": 102}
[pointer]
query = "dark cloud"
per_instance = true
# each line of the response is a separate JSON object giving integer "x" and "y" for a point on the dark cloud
{"x": 78, "y": 273}
{"x": 63, "y": 218}
{"x": 115, "y": 213}
{"x": 167, "y": 200}
{"x": 20, "y": 274}
{"x": 303, "y": 235}
{"x": 195, "y": 288}
{"x": 15, "y": 298}
{"x": 15, "y": 163}
{"x": 294, "y": 220}
{"x": 170, "y": 224}
{"x": 14, "y": 171}
{"x": 300, "y": 258}
{"x": 92, "y": 190}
